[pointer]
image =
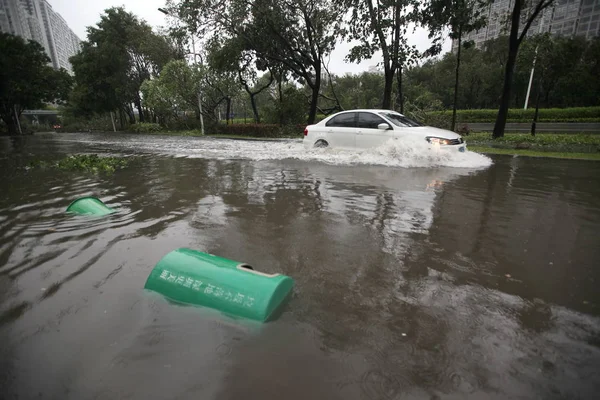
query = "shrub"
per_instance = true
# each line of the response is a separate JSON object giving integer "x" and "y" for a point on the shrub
{"x": 72, "y": 123}
{"x": 258, "y": 130}
{"x": 574, "y": 114}
{"x": 250, "y": 130}
{"x": 293, "y": 130}
{"x": 145, "y": 127}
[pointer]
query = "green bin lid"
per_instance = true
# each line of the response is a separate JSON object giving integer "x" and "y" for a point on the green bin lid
{"x": 193, "y": 277}
{"x": 89, "y": 205}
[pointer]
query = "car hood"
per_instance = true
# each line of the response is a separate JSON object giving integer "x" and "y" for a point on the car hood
{"x": 436, "y": 132}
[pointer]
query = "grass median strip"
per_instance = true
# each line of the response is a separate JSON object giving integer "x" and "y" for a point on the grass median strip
{"x": 539, "y": 139}
{"x": 533, "y": 153}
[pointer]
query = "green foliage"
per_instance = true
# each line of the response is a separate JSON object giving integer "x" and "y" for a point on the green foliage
{"x": 543, "y": 142}
{"x": 358, "y": 91}
{"x": 382, "y": 27}
{"x": 459, "y": 16}
{"x": 74, "y": 123}
{"x": 540, "y": 138}
{"x": 145, "y": 127}
{"x": 26, "y": 79}
{"x": 569, "y": 71}
{"x": 28, "y": 127}
{"x": 288, "y": 109}
{"x": 118, "y": 55}
{"x": 575, "y": 114}
{"x": 174, "y": 91}
{"x": 249, "y": 130}
{"x": 534, "y": 153}
{"x": 258, "y": 130}
{"x": 84, "y": 162}
{"x": 290, "y": 37}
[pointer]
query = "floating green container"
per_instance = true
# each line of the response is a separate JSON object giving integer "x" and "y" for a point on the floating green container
{"x": 192, "y": 277}
{"x": 89, "y": 205}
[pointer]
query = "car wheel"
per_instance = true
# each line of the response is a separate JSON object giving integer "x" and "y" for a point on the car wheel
{"x": 321, "y": 144}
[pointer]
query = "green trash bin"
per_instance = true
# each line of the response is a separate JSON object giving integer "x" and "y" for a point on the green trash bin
{"x": 192, "y": 277}
{"x": 89, "y": 205}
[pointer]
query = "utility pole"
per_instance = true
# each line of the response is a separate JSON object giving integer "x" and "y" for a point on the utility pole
{"x": 533, "y": 66}
{"x": 17, "y": 120}
{"x": 199, "y": 94}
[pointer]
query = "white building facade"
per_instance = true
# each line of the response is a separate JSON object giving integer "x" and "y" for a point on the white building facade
{"x": 36, "y": 20}
{"x": 564, "y": 17}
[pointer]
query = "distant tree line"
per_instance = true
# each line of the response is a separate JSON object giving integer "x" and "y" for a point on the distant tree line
{"x": 567, "y": 74}
{"x": 268, "y": 61}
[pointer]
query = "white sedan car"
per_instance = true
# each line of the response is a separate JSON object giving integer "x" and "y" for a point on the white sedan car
{"x": 363, "y": 129}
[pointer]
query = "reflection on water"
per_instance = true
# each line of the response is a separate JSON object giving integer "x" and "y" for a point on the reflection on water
{"x": 418, "y": 283}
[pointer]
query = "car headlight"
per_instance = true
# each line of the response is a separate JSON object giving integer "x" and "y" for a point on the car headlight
{"x": 436, "y": 140}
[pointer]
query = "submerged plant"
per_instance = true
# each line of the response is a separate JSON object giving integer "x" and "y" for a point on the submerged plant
{"x": 84, "y": 162}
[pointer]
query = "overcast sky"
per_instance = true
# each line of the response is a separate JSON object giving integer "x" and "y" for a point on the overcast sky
{"x": 82, "y": 13}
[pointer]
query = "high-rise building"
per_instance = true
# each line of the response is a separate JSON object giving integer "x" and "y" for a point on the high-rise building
{"x": 62, "y": 41}
{"x": 36, "y": 20}
{"x": 564, "y": 17}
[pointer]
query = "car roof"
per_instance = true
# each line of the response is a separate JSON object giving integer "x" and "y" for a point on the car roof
{"x": 377, "y": 110}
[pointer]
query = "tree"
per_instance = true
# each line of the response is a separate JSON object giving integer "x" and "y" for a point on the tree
{"x": 174, "y": 91}
{"x": 26, "y": 79}
{"x": 360, "y": 90}
{"x": 381, "y": 25}
{"x": 462, "y": 17}
{"x": 567, "y": 69}
{"x": 231, "y": 56}
{"x": 120, "y": 53}
{"x": 533, "y": 8}
{"x": 296, "y": 34}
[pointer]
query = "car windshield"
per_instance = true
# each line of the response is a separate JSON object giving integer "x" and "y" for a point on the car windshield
{"x": 400, "y": 120}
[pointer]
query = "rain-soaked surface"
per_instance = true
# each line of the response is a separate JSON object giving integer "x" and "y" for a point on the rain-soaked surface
{"x": 417, "y": 277}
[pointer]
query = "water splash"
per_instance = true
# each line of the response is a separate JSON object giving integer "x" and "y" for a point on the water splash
{"x": 406, "y": 153}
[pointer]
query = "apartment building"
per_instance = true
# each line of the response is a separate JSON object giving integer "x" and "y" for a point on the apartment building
{"x": 564, "y": 17}
{"x": 36, "y": 20}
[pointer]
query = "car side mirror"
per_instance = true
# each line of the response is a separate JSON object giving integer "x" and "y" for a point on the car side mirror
{"x": 383, "y": 126}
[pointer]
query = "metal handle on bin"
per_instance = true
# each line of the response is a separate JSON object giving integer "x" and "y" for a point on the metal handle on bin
{"x": 248, "y": 268}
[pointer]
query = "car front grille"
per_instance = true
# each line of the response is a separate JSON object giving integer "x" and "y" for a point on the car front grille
{"x": 455, "y": 141}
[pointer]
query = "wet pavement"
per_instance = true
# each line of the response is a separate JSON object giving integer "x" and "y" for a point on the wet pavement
{"x": 417, "y": 276}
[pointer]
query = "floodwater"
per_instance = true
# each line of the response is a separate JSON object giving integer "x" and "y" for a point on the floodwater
{"x": 417, "y": 277}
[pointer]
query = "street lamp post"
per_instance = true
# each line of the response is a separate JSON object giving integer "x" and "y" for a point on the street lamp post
{"x": 533, "y": 67}
{"x": 199, "y": 94}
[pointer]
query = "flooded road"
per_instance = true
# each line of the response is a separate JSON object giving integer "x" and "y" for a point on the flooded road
{"x": 417, "y": 277}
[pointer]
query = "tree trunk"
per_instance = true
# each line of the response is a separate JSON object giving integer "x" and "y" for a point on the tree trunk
{"x": 228, "y": 116}
{"x": 130, "y": 114}
{"x": 138, "y": 105}
{"x": 253, "y": 96}
{"x": 537, "y": 107}
{"x": 11, "y": 126}
{"x": 112, "y": 119}
{"x": 505, "y": 100}
{"x": 254, "y": 109}
{"x": 513, "y": 49}
{"x": 456, "y": 75}
{"x": 122, "y": 118}
{"x": 400, "y": 97}
{"x": 279, "y": 112}
{"x": 316, "y": 88}
{"x": 387, "y": 90}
